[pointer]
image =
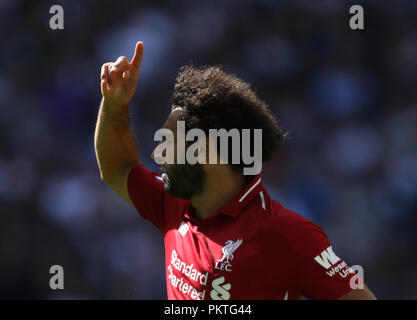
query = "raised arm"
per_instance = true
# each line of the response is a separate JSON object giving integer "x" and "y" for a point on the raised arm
{"x": 114, "y": 142}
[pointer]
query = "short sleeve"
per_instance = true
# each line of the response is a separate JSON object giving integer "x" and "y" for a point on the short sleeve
{"x": 319, "y": 273}
{"x": 146, "y": 190}
{"x": 312, "y": 268}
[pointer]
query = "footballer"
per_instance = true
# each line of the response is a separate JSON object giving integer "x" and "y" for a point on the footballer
{"x": 225, "y": 238}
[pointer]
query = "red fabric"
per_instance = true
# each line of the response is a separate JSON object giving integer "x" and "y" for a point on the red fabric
{"x": 252, "y": 248}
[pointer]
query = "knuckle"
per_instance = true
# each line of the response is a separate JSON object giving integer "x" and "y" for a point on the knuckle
{"x": 104, "y": 67}
{"x": 120, "y": 64}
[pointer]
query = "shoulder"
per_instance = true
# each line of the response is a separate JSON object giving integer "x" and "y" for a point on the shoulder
{"x": 141, "y": 177}
{"x": 147, "y": 193}
{"x": 299, "y": 234}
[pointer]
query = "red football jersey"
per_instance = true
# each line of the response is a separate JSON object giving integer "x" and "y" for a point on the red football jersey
{"x": 252, "y": 248}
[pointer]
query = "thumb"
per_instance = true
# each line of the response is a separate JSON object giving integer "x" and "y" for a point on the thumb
{"x": 105, "y": 87}
{"x": 126, "y": 75}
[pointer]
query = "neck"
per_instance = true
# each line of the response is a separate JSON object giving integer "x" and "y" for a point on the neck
{"x": 222, "y": 185}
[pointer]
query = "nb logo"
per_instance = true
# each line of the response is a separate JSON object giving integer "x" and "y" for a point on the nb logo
{"x": 220, "y": 291}
{"x": 183, "y": 229}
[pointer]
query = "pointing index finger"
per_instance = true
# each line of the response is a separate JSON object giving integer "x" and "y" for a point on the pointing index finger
{"x": 137, "y": 57}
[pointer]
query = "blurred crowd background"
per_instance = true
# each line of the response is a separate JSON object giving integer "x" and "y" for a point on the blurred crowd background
{"x": 348, "y": 99}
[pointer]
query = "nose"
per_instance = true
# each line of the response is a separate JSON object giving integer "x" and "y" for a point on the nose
{"x": 158, "y": 156}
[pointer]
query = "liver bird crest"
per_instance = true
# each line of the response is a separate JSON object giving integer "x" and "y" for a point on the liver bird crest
{"x": 228, "y": 249}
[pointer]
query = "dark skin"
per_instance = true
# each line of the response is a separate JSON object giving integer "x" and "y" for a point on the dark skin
{"x": 117, "y": 153}
{"x": 222, "y": 182}
{"x": 359, "y": 294}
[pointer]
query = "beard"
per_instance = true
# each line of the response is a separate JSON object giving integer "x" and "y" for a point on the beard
{"x": 184, "y": 180}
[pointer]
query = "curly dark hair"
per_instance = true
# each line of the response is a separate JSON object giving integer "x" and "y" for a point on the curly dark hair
{"x": 213, "y": 99}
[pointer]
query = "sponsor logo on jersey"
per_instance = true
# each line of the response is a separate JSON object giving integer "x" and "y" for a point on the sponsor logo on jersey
{"x": 220, "y": 290}
{"x": 327, "y": 259}
{"x": 224, "y": 263}
{"x": 188, "y": 269}
{"x": 186, "y": 278}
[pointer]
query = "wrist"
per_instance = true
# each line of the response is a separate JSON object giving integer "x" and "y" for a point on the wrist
{"x": 114, "y": 104}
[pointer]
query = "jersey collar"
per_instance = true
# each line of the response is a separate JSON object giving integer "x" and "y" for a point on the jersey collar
{"x": 241, "y": 200}
{"x": 237, "y": 204}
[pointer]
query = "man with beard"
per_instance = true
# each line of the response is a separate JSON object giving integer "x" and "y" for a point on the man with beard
{"x": 225, "y": 238}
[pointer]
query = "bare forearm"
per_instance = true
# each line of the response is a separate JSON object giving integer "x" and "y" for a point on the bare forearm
{"x": 114, "y": 141}
{"x": 359, "y": 294}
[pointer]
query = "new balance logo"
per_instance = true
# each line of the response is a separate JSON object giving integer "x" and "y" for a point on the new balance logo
{"x": 220, "y": 291}
{"x": 327, "y": 258}
{"x": 183, "y": 228}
